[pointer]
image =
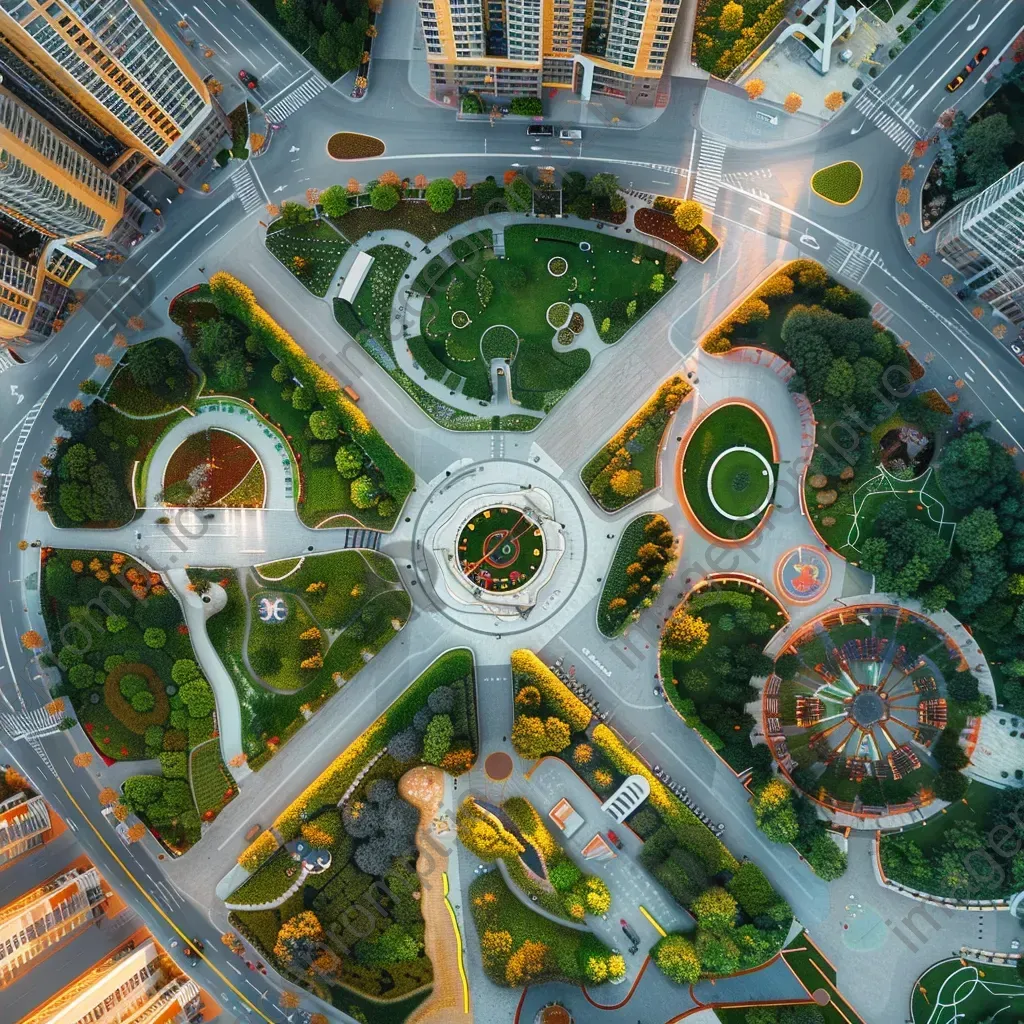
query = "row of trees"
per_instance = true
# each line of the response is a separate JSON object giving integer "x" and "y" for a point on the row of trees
{"x": 334, "y": 34}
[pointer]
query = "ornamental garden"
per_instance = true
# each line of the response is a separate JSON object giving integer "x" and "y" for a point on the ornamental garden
{"x": 500, "y": 549}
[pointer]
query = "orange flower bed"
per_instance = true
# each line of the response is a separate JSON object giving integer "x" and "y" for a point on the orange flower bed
{"x": 131, "y": 719}
{"x": 663, "y": 226}
{"x": 213, "y": 462}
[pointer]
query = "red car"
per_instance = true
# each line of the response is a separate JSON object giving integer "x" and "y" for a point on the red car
{"x": 249, "y": 81}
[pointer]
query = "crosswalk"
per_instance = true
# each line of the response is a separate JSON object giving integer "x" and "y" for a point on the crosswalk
{"x": 369, "y": 539}
{"x": 852, "y": 260}
{"x": 298, "y": 97}
{"x": 887, "y": 113}
{"x": 245, "y": 188}
{"x": 709, "y": 171}
{"x": 881, "y": 314}
{"x": 6, "y": 362}
{"x": 30, "y": 724}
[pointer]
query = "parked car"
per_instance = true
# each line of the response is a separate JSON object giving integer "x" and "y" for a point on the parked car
{"x": 543, "y": 130}
{"x": 570, "y": 134}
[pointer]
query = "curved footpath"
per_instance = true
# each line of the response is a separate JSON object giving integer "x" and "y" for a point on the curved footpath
{"x": 233, "y": 417}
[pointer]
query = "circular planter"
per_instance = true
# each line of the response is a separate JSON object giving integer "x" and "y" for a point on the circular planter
{"x": 726, "y": 472}
{"x": 557, "y": 314}
{"x": 558, "y": 266}
{"x": 566, "y": 336}
{"x": 576, "y": 323}
{"x": 500, "y": 549}
{"x": 460, "y": 319}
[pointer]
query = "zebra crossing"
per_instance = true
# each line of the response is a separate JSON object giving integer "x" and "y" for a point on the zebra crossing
{"x": 852, "y": 260}
{"x": 709, "y": 171}
{"x": 245, "y": 188}
{"x": 881, "y": 314}
{"x": 30, "y": 724}
{"x": 886, "y": 113}
{"x": 299, "y": 97}
{"x": 368, "y": 539}
{"x": 6, "y": 362}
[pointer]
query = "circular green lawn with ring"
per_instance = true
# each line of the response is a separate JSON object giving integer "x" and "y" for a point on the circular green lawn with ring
{"x": 740, "y": 483}
{"x": 729, "y": 471}
{"x": 500, "y": 549}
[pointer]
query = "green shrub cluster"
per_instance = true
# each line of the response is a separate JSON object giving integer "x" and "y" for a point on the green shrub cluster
{"x": 643, "y": 559}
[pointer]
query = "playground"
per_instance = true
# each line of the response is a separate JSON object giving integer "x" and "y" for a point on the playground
{"x": 955, "y": 990}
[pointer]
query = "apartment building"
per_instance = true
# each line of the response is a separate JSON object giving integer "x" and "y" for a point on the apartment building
{"x": 503, "y": 48}
{"x": 983, "y": 239}
{"x": 24, "y": 824}
{"x": 46, "y": 916}
{"x": 136, "y": 985}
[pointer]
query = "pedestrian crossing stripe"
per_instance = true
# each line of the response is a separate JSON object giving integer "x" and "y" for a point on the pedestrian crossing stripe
{"x": 245, "y": 188}
{"x": 852, "y": 259}
{"x": 891, "y": 117}
{"x": 297, "y": 98}
{"x": 709, "y": 172}
{"x": 6, "y": 362}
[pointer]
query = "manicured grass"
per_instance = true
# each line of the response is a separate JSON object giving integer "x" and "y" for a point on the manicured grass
{"x": 277, "y": 570}
{"x": 212, "y": 785}
{"x": 606, "y": 279}
{"x": 494, "y": 907}
{"x": 413, "y": 216}
{"x": 374, "y": 301}
{"x": 177, "y": 387}
{"x": 500, "y": 549}
{"x": 250, "y": 492}
{"x": 283, "y": 638}
{"x": 726, "y": 427}
{"x": 838, "y": 183}
{"x": 620, "y": 584}
{"x": 740, "y": 483}
{"x": 635, "y": 447}
{"x": 318, "y": 244}
{"x": 977, "y": 992}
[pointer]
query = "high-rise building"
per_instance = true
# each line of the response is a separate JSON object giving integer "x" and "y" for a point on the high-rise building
{"x": 24, "y": 825}
{"x": 122, "y": 71}
{"x": 95, "y": 97}
{"x": 984, "y": 239}
{"x": 503, "y": 48}
{"x": 137, "y": 985}
{"x": 36, "y": 922}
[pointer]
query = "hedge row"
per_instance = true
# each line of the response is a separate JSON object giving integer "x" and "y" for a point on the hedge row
{"x": 529, "y": 670}
{"x": 330, "y": 786}
{"x": 691, "y": 832}
{"x": 237, "y": 300}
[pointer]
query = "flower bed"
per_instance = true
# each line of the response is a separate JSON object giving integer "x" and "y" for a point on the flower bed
{"x": 498, "y": 342}
{"x": 557, "y": 266}
{"x": 354, "y": 146}
{"x": 557, "y": 314}
{"x": 643, "y": 558}
{"x": 212, "y": 785}
{"x": 206, "y": 467}
{"x": 626, "y": 467}
{"x": 460, "y": 319}
{"x": 250, "y": 492}
{"x": 152, "y": 377}
{"x": 122, "y": 710}
{"x": 311, "y": 252}
{"x": 576, "y": 323}
{"x": 565, "y": 336}
{"x": 839, "y": 183}
{"x": 698, "y": 243}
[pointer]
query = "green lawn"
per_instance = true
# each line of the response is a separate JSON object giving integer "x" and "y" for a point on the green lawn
{"x": 317, "y": 243}
{"x": 739, "y": 484}
{"x": 210, "y": 779}
{"x": 501, "y": 548}
{"x": 838, "y": 183}
{"x": 929, "y": 836}
{"x": 605, "y": 279}
{"x": 283, "y": 638}
{"x": 620, "y": 584}
{"x": 977, "y": 992}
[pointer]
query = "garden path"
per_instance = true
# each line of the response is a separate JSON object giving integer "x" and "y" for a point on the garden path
{"x": 229, "y": 713}
{"x": 424, "y": 788}
{"x": 237, "y": 418}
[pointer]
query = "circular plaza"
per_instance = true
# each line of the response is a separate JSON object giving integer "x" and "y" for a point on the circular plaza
{"x": 501, "y": 548}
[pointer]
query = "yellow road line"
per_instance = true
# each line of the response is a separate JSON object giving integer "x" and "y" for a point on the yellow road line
{"x": 661, "y": 931}
{"x": 156, "y": 906}
{"x": 458, "y": 943}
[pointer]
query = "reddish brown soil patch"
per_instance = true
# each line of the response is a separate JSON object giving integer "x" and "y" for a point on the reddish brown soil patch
{"x": 211, "y": 462}
{"x": 498, "y": 766}
{"x": 354, "y": 146}
{"x": 664, "y": 226}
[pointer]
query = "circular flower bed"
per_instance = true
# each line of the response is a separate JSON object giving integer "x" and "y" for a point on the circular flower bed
{"x": 585, "y": 247}
{"x": 460, "y": 319}
{"x": 498, "y": 342}
{"x": 354, "y": 146}
{"x": 500, "y": 549}
{"x": 740, "y": 483}
{"x": 557, "y": 266}
{"x": 565, "y": 336}
{"x": 576, "y": 323}
{"x": 206, "y": 467}
{"x": 557, "y": 314}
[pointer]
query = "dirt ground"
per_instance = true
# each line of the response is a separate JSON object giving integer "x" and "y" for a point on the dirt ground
{"x": 423, "y": 787}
